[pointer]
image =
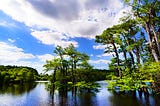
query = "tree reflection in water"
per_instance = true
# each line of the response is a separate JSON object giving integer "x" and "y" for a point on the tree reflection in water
{"x": 101, "y": 98}
{"x": 35, "y": 94}
{"x": 17, "y": 89}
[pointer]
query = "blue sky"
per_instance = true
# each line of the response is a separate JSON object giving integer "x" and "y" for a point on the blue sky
{"x": 31, "y": 29}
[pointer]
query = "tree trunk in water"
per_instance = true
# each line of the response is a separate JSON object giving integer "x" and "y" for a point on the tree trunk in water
{"x": 130, "y": 53}
{"x": 137, "y": 55}
{"x": 137, "y": 52}
{"x": 134, "y": 94}
{"x": 75, "y": 88}
{"x": 156, "y": 39}
{"x": 52, "y": 93}
{"x": 146, "y": 96}
{"x": 73, "y": 80}
{"x": 125, "y": 57}
{"x": 132, "y": 57}
{"x": 118, "y": 61}
{"x": 140, "y": 92}
{"x": 75, "y": 71}
{"x": 53, "y": 86}
{"x": 146, "y": 93}
{"x": 150, "y": 42}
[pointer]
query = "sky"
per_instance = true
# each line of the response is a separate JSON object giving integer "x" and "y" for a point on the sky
{"x": 31, "y": 29}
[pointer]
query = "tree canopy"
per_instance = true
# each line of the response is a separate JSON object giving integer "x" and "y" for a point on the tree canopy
{"x": 11, "y": 74}
{"x": 135, "y": 44}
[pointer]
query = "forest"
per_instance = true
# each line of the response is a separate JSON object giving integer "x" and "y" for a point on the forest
{"x": 17, "y": 74}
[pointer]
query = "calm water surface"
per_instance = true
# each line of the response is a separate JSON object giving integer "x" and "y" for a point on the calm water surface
{"x": 36, "y": 95}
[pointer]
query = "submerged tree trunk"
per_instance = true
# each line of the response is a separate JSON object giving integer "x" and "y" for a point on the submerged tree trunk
{"x": 53, "y": 85}
{"x": 130, "y": 53}
{"x": 145, "y": 90}
{"x": 72, "y": 68}
{"x": 140, "y": 92}
{"x": 75, "y": 78}
{"x": 146, "y": 96}
{"x": 134, "y": 93}
{"x": 125, "y": 57}
{"x": 132, "y": 57}
{"x": 151, "y": 45}
{"x": 118, "y": 60}
{"x": 156, "y": 39}
{"x": 137, "y": 55}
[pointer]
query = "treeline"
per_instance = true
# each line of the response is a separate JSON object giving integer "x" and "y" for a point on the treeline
{"x": 135, "y": 45}
{"x": 17, "y": 74}
{"x": 95, "y": 74}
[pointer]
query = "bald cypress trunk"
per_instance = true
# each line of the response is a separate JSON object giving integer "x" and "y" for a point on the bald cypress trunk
{"x": 118, "y": 60}
{"x": 151, "y": 45}
{"x": 156, "y": 39}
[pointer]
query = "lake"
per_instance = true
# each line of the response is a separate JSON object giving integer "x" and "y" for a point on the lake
{"x": 35, "y": 94}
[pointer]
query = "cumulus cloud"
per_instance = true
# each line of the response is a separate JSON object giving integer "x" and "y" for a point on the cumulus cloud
{"x": 100, "y": 61}
{"x": 58, "y": 9}
{"x": 106, "y": 54}
{"x": 75, "y": 18}
{"x": 56, "y": 38}
{"x": 9, "y": 53}
{"x": 103, "y": 47}
{"x": 45, "y": 57}
{"x": 91, "y": 55}
{"x": 12, "y": 55}
{"x": 99, "y": 3}
{"x": 57, "y": 22}
{"x": 98, "y": 47}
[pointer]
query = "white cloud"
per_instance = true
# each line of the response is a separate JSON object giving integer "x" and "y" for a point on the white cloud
{"x": 91, "y": 55}
{"x": 97, "y": 47}
{"x": 103, "y": 47}
{"x": 12, "y": 55}
{"x": 55, "y": 38}
{"x": 80, "y": 18}
{"x": 61, "y": 20}
{"x": 9, "y": 53}
{"x": 45, "y": 57}
{"x": 106, "y": 54}
{"x": 7, "y": 24}
{"x": 100, "y": 61}
{"x": 11, "y": 40}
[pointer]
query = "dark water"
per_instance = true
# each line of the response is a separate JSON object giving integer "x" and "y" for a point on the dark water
{"x": 36, "y": 95}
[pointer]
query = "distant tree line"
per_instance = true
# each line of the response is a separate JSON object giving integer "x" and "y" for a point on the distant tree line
{"x": 17, "y": 74}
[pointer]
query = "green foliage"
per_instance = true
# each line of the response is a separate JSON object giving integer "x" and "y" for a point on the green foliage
{"x": 71, "y": 69}
{"x": 151, "y": 73}
{"x": 43, "y": 77}
{"x": 9, "y": 74}
{"x": 137, "y": 79}
{"x": 152, "y": 67}
{"x": 87, "y": 86}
